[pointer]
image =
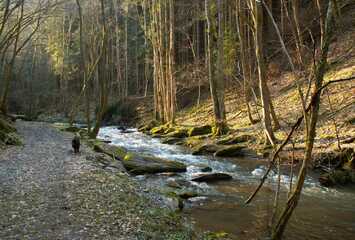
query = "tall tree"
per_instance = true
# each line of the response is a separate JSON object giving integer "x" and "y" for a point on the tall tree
{"x": 215, "y": 68}
{"x": 292, "y": 201}
{"x": 257, "y": 10}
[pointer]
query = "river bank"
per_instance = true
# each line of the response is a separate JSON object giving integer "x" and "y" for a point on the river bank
{"x": 48, "y": 192}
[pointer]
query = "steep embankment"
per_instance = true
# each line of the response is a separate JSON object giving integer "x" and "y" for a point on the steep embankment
{"x": 337, "y": 112}
{"x": 335, "y": 126}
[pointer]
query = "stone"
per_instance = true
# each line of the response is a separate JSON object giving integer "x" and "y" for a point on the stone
{"x": 145, "y": 164}
{"x": 187, "y": 194}
{"x": 171, "y": 140}
{"x": 201, "y": 130}
{"x": 148, "y": 126}
{"x": 212, "y": 177}
{"x": 173, "y": 183}
{"x": 236, "y": 139}
{"x": 205, "y": 149}
{"x": 111, "y": 150}
{"x": 231, "y": 151}
{"x": 178, "y": 133}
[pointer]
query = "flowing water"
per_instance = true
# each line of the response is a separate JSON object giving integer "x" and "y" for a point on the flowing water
{"x": 322, "y": 213}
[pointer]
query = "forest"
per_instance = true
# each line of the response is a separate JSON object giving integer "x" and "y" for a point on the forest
{"x": 205, "y": 119}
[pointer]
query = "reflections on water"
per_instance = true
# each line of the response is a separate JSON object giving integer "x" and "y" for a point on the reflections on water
{"x": 322, "y": 213}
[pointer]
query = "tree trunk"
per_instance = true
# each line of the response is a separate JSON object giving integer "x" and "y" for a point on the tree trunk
{"x": 265, "y": 97}
{"x": 215, "y": 74}
{"x": 311, "y": 134}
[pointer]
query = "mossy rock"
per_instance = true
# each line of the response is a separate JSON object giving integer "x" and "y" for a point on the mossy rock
{"x": 72, "y": 129}
{"x": 337, "y": 177}
{"x": 231, "y": 151}
{"x": 203, "y": 167}
{"x": 66, "y": 127}
{"x": 236, "y": 139}
{"x": 201, "y": 130}
{"x": 212, "y": 177}
{"x": 195, "y": 141}
{"x": 147, "y": 127}
{"x": 186, "y": 194}
{"x": 158, "y": 130}
{"x": 144, "y": 164}
{"x": 178, "y": 133}
{"x": 172, "y": 140}
{"x": 111, "y": 150}
{"x": 206, "y": 149}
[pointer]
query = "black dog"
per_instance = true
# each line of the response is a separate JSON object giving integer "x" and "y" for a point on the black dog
{"x": 76, "y": 143}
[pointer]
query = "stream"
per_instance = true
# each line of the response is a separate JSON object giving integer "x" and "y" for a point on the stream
{"x": 322, "y": 213}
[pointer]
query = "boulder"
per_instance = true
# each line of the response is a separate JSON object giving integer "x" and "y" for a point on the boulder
{"x": 236, "y": 139}
{"x": 201, "y": 130}
{"x": 195, "y": 141}
{"x": 158, "y": 130}
{"x": 205, "y": 149}
{"x": 187, "y": 194}
{"x": 171, "y": 140}
{"x": 231, "y": 151}
{"x": 212, "y": 177}
{"x": 203, "y": 167}
{"x": 206, "y": 169}
{"x": 148, "y": 126}
{"x": 111, "y": 150}
{"x": 173, "y": 183}
{"x": 144, "y": 164}
{"x": 178, "y": 133}
{"x": 337, "y": 177}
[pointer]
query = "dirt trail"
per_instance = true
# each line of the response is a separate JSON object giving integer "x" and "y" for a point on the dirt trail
{"x": 47, "y": 192}
{"x": 33, "y": 184}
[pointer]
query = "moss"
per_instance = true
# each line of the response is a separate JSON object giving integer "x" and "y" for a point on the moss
{"x": 158, "y": 130}
{"x": 216, "y": 236}
{"x": 148, "y": 126}
{"x": 194, "y": 141}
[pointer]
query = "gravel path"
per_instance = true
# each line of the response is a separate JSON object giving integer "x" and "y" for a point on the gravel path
{"x": 47, "y": 192}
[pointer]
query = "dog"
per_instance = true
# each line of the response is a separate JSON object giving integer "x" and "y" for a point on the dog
{"x": 76, "y": 143}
